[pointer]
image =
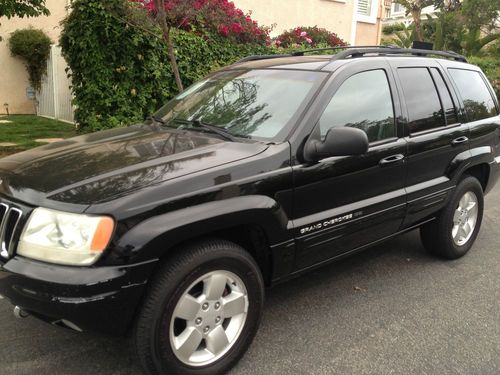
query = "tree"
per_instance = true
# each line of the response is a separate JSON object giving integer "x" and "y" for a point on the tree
{"x": 481, "y": 18}
{"x": 464, "y": 27}
{"x": 23, "y": 8}
{"x": 167, "y": 23}
{"x": 414, "y": 7}
{"x": 203, "y": 17}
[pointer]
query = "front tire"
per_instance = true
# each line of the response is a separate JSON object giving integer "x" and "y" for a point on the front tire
{"x": 454, "y": 231}
{"x": 201, "y": 312}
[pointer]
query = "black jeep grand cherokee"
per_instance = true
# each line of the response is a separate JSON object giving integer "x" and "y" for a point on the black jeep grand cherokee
{"x": 265, "y": 169}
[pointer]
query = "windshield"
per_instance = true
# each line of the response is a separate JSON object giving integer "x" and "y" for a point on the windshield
{"x": 256, "y": 103}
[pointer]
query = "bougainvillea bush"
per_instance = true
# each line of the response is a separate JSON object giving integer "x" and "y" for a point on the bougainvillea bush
{"x": 309, "y": 36}
{"x": 220, "y": 17}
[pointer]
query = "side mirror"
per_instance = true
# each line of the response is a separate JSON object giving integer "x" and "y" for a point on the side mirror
{"x": 343, "y": 141}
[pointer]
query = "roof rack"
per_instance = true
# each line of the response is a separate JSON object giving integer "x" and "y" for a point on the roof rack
{"x": 360, "y": 51}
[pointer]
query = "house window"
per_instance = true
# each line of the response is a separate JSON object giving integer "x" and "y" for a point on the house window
{"x": 398, "y": 8}
{"x": 367, "y": 11}
{"x": 364, "y": 7}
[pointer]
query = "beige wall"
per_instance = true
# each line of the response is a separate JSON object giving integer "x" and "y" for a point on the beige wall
{"x": 333, "y": 15}
{"x": 367, "y": 34}
{"x": 13, "y": 76}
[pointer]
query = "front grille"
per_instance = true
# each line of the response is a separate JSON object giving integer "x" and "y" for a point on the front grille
{"x": 9, "y": 222}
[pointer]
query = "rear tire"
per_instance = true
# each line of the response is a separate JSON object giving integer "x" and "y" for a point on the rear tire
{"x": 201, "y": 311}
{"x": 454, "y": 231}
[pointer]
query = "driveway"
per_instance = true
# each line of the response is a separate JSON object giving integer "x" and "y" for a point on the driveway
{"x": 391, "y": 310}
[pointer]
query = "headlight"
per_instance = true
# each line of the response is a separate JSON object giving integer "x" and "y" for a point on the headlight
{"x": 65, "y": 238}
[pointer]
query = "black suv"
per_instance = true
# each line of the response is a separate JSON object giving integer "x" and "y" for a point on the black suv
{"x": 277, "y": 164}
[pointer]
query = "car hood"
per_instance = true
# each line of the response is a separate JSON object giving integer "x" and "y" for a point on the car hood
{"x": 102, "y": 166}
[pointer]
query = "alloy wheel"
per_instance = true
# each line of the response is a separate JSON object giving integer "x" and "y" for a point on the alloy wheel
{"x": 208, "y": 318}
{"x": 465, "y": 219}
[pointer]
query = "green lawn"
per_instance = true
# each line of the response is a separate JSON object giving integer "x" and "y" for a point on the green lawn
{"x": 25, "y": 129}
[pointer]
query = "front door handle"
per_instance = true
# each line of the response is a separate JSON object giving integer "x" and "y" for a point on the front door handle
{"x": 459, "y": 140}
{"x": 391, "y": 159}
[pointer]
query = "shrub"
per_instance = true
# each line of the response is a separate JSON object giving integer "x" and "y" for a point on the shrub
{"x": 309, "y": 36}
{"x": 392, "y": 28}
{"x": 33, "y": 47}
{"x": 216, "y": 17}
{"x": 121, "y": 73}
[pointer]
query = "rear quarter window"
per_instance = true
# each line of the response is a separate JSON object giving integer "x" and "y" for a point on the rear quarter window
{"x": 478, "y": 101}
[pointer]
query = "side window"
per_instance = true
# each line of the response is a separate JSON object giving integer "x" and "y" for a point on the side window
{"x": 450, "y": 111}
{"x": 422, "y": 100}
{"x": 363, "y": 101}
{"x": 478, "y": 101}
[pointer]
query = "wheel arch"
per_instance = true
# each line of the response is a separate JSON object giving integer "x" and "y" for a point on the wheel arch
{"x": 474, "y": 162}
{"x": 253, "y": 222}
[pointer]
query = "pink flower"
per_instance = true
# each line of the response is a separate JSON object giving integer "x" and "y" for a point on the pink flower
{"x": 198, "y": 4}
{"x": 268, "y": 42}
{"x": 278, "y": 42}
{"x": 237, "y": 28}
{"x": 303, "y": 34}
{"x": 223, "y": 30}
{"x": 309, "y": 40}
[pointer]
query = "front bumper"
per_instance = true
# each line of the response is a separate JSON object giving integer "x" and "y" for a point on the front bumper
{"x": 101, "y": 299}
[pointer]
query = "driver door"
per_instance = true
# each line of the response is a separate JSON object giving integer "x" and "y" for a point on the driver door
{"x": 344, "y": 203}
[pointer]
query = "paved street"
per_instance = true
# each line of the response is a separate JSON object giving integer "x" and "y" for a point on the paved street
{"x": 391, "y": 310}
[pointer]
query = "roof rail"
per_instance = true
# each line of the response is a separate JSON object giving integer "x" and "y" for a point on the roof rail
{"x": 360, "y": 51}
{"x": 301, "y": 53}
{"x": 263, "y": 57}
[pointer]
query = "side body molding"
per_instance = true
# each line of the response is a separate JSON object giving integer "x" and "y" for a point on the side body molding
{"x": 162, "y": 232}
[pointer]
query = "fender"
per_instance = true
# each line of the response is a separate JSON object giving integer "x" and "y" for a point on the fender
{"x": 160, "y": 233}
{"x": 468, "y": 159}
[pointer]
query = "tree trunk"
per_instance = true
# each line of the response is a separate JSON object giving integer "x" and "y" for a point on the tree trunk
{"x": 416, "y": 14}
{"x": 167, "y": 37}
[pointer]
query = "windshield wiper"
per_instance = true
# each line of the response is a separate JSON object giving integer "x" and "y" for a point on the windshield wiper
{"x": 157, "y": 119}
{"x": 211, "y": 128}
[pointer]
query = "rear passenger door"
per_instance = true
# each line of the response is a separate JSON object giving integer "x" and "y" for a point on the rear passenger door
{"x": 435, "y": 131}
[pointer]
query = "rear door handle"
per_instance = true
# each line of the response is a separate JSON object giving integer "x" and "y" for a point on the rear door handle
{"x": 459, "y": 140}
{"x": 391, "y": 159}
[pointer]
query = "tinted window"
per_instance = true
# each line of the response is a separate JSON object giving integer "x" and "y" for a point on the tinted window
{"x": 446, "y": 100}
{"x": 422, "y": 100}
{"x": 363, "y": 101}
{"x": 478, "y": 101}
{"x": 255, "y": 103}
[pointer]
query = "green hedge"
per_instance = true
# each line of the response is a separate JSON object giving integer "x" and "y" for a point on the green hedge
{"x": 120, "y": 72}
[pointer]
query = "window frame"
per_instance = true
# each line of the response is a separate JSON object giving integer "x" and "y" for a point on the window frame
{"x": 386, "y": 71}
{"x": 454, "y": 102}
{"x": 459, "y": 94}
{"x": 407, "y": 122}
{"x": 339, "y": 72}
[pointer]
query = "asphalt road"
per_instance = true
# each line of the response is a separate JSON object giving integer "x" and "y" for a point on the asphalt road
{"x": 391, "y": 310}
